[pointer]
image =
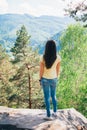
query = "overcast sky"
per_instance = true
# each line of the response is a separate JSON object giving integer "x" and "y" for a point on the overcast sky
{"x": 34, "y": 7}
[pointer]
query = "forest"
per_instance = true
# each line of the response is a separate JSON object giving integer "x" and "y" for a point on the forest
{"x": 19, "y": 74}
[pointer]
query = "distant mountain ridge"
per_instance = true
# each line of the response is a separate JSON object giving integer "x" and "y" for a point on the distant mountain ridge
{"x": 40, "y": 28}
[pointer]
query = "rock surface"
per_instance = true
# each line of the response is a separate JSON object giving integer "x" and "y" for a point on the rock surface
{"x": 32, "y": 119}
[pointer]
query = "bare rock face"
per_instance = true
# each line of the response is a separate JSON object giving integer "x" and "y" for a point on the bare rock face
{"x": 33, "y": 119}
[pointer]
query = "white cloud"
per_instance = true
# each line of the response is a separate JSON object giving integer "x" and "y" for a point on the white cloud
{"x": 26, "y": 8}
{"x": 48, "y": 7}
{"x": 3, "y": 6}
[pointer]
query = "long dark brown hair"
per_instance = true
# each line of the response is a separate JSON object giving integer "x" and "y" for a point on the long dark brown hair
{"x": 50, "y": 53}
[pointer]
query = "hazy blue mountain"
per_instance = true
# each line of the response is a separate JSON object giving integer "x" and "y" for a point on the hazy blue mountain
{"x": 40, "y": 28}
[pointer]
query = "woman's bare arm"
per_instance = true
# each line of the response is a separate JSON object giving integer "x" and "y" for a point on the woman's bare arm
{"x": 41, "y": 69}
{"x": 58, "y": 69}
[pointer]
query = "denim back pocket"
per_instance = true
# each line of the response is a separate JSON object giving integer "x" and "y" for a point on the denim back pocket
{"x": 44, "y": 82}
{"x": 53, "y": 82}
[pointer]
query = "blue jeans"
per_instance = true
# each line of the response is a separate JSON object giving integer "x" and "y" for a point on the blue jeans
{"x": 49, "y": 89}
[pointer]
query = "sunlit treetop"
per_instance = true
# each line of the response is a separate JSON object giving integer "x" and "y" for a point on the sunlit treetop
{"x": 77, "y": 10}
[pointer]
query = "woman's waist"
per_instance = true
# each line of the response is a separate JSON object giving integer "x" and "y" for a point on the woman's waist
{"x": 49, "y": 76}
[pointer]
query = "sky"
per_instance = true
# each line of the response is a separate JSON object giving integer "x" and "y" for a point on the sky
{"x": 34, "y": 7}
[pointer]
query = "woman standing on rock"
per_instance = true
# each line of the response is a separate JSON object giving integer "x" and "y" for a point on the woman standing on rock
{"x": 49, "y": 71}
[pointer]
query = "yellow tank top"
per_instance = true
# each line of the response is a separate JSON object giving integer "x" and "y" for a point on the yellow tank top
{"x": 51, "y": 72}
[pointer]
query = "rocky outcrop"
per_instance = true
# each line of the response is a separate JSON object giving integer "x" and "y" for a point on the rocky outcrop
{"x": 32, "y": 119}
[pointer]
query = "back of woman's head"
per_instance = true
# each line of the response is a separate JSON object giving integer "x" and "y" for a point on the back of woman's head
{"x": 50, "y": 53}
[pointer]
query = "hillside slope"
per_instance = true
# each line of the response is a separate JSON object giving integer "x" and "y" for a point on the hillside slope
{"x": 40, "y": 28}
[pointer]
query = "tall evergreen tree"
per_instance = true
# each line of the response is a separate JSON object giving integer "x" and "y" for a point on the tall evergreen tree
{"x": 26, "y": 61}
{"x": 20, "y": 47}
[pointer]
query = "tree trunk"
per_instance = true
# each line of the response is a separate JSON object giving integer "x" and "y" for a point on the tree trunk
{"x": 29, "y": 85}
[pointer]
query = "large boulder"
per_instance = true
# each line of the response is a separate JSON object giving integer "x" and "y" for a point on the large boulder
{"x": 33, "y": 119}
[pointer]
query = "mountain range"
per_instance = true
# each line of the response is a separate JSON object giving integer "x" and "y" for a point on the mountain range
{"x": 39, "y": 28}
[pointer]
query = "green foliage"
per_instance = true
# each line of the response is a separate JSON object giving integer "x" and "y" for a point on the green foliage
{"x": 72, "y": 90}
{"x": 74, "y": 34}
{"x": 5, "y": 74}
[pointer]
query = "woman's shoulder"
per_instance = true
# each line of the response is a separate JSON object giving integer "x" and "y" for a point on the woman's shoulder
{"x": 58, "y": 58}
{"x": 41, "y": 58}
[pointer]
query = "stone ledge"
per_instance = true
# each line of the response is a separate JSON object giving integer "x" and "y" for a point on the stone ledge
{"x": 32, "y": 119}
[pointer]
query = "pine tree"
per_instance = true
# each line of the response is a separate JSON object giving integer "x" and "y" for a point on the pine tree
{"x": 20, "y": 48}
{"x": 26, "y": 61}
